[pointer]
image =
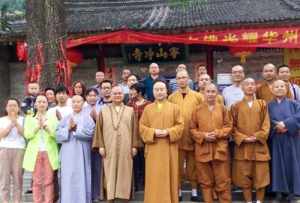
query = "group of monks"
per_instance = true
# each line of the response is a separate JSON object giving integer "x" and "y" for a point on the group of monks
{"x": 187, "y": 135}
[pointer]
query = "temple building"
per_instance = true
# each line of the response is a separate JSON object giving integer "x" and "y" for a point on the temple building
{"x": 110, "y": 35}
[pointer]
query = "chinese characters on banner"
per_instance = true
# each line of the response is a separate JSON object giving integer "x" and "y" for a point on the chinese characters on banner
{"x": 157, "y": 53}
{"x": 280, "y": 37}
{"x": 292, "y": 59}
{"x": 277, "y": 37}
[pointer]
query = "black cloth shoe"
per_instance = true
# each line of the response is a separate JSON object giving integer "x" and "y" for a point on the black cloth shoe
{"x": 278, "y": 196}
{"x": 290, "y": 197}
{"x": 195, "y": 199}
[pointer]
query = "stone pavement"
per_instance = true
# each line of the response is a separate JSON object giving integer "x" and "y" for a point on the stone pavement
{"x": 237, "y": 196}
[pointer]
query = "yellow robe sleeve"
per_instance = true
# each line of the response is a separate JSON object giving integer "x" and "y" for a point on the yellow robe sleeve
{"x": 220, "y": 99}
{"x": 146, "y": 132}
{"x": 194, "y": 129}
{"x": 175, "y": 132}
{"x": 227, "y": 125}
{"x": 263, "y": 133}
{"x": 200, "y": 98}
{"x": 238, "y": 137}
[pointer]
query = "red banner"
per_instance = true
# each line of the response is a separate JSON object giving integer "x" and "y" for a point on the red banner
{"x": 282, "y": 37}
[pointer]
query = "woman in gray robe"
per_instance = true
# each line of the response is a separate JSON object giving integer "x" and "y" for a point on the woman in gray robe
{"x": 75, "y": 133}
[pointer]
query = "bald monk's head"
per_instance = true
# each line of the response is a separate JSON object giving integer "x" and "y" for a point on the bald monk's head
{"x": 249, "y": 86}
{"x": 237, "y": 74}
{"x": 203, "y": 81}
{"x": 210, "y": 93}
{"x": 154, "y": 69}
{"x": 77, "y": 103}
{"x": 117, "y": 95}
{"x": 269, "y": 72}
{"x": 279, "y": 88}
{"x": 182, "y": 78}
{"x": 160, "y": 90}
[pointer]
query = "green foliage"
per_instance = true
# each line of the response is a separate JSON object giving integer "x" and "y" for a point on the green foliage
{"x": 11, "y": 10}
{"x": 13, "y": 5}
{"x": 4, "y": 26}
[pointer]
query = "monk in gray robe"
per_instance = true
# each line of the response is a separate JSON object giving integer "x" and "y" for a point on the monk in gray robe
{"x": 75, "y": 133}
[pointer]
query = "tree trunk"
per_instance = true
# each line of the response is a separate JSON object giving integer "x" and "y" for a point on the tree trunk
{"x": 46, "y": 27}
{"x": 35, "y": 28}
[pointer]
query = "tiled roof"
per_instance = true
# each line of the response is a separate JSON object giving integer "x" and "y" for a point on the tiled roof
{"x": 84, "y": 15}
{"x": 108, "y": 15}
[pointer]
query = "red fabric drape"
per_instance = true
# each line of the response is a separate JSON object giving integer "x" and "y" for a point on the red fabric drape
{"x": 281, "y": 37}
{"x": 270, "y": 37}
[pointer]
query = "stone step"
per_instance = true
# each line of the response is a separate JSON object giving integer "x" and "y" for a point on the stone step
{"x": 139, "y": 196}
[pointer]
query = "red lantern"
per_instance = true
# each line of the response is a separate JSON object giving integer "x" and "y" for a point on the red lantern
{"x": 22, "y": 51}
{"x": 242, "y": 52}
{"x": 74, "y": 57}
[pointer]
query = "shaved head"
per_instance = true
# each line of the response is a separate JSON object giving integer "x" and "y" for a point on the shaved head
{"x": 154, "y": 69}
{"x": 116, "y": 88}
{"x": 117, "y": 94}
{"x": 247, "y": 80}
{"x": 237, "y": 68}
{"x": 182, "y": 72}
{"x": 77, "y": 103}
{"x": 77, "y": 97}
{"x": 279, "y": 88}
{"x": 153, "y": 65}
{"x": 160, "y": 90}
{"x": 278, "y": 82}
{"x": 269, "y": 72}
{"x": 249, "y": 86}
{"x": 182, "y": 78}
{"x": 269, "y": 65}
{"x": 211, "y": 93}
{"x": 211, "y": 86}
{"x": 238, "y": 74}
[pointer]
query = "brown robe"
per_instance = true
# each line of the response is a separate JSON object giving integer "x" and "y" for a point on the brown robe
{"x": 187, "y": 105}
{"x": 161, "y": 154}
{"x": 220, "y": 98}
{"x": 212, "y": 158}
{"x": 118, "y": 142}
{"x": 250, "y": 167}
{"x": 264, "y": 92}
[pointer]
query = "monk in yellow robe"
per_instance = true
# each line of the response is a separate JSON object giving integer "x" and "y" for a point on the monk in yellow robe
{"x": 187, "y": 100}
{"x": 251, "y": 125}
{"x": 264, "y": 90}
{"x": 205, "y": 80}
{"x": 117, "y": 141}
{"x": 161, "y": 127}
{"x": 210, "y": 125}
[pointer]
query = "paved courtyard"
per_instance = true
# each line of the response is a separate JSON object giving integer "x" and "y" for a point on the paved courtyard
{"x": 237, "y": 196}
